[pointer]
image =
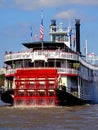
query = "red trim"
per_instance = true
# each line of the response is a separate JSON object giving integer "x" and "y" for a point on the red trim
{"x": 10, "y": 75}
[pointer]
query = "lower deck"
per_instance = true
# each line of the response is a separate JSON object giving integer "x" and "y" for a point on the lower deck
{"x": 38, "y": 87}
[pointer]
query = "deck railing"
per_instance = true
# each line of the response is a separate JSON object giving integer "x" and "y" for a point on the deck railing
{"x": 16, "y": 56}
{"x": 85, "y": 63}
{"x": 38, "y": 54}
{"x": 59, "y": 70}
{"x": 10, "y": 71}
{"x": 67, "y": 71}
{"x": 2, "y": 71}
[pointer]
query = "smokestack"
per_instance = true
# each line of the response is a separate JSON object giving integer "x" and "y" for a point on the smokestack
{"x": 78, "y": 35}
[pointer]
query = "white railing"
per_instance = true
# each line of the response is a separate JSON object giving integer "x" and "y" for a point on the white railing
{"x": 59, "y": 70}
{"x": 63, "y": 55}
{"x": 85, "y": 63}
{"x": 15, "y": 56}
{"x": 67, "y": 71}
{"x": 10, "y": 71}
{"x": 2, "y": 71}
{"x": 38, "y": 54}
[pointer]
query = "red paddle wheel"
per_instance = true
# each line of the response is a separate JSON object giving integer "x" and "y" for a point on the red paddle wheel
{"x": 35, "y": 87}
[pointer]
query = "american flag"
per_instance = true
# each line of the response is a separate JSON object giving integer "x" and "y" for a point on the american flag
{"x": 41, "y": 30}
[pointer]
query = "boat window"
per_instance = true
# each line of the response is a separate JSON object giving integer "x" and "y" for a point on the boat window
{"x": 50, "y": 64}
{"x": 58, "y": 64}
{"x": 31, "y": 64}
{"x": 39, "y": 63}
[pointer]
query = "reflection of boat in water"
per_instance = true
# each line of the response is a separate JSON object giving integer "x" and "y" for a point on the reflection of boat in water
{"x": 50, "y": 73}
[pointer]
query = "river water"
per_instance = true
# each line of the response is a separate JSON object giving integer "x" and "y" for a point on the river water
{"x": 55, "y": 118}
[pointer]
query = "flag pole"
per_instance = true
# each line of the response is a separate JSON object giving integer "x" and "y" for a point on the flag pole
{"x": 86, "y": 51}
{"x": 31, "y": 33}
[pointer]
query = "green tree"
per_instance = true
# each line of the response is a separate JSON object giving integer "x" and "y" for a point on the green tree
{"x": 2, "y": 80}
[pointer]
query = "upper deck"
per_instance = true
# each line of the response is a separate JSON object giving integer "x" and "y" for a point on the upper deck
{"x": 40, "y": 55}
{"x": 48, "y": 54}
{"x": 42, "y": 51}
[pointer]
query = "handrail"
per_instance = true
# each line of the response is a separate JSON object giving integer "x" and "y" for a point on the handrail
{"x": 85, "y": 63}
{"x": 59, "y": 70}
{"x": 15, "y": 56}
{"x": 47, "y": 54}
{"x": 2, "y": 71}
{"x": 67, "y": 71}
{"x": 10, "y": 71}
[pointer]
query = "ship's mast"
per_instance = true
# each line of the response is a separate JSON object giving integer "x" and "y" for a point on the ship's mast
{"x": 86, "y": 48}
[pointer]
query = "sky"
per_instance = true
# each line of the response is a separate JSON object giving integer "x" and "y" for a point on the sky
{"x": 18, "y": 16}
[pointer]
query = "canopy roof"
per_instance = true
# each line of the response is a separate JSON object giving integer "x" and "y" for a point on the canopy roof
{"x": 46, "y": 45}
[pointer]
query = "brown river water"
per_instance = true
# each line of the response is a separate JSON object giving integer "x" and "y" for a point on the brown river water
{"x": 55, "y": 118}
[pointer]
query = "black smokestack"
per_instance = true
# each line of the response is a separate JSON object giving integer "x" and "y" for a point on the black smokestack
{"x": 77, "y": 35}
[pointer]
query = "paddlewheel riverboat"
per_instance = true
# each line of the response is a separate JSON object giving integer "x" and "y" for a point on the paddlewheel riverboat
{"x": 50, "y": 73}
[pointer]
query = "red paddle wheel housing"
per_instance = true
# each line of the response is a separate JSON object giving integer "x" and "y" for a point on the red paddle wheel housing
{"x": 35, "y": 87}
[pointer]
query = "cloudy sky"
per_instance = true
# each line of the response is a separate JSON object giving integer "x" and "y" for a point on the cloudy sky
{"x": 18, "y": 16}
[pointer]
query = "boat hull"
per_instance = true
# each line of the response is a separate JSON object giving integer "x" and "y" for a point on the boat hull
{"x": 7, "y": 96}
{"x": 65, "y": 98}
